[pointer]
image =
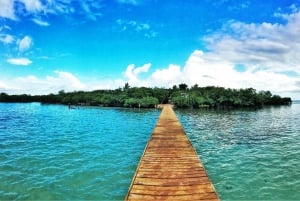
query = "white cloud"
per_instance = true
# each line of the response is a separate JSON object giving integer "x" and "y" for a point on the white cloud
{"x": 60, "y": 80}
{"x": 57, "y": 7}
{"x": 25, "y": 43}
{"x": 274, "y": 46}
{"x": 105, "y": 84}
{"x": 19, "y": 61}
{"x": 6, "y": 38}
{"x": 40, "y": 22}
{"x": 167, "y": 77}
{"x": 202, "y": 69}
{"x": 32, "y": 5}
{"x": 3, "y": 86}
{"x": 132, "y": 73}
{"x": 11, "y": 9}
{"x": 66, "y": 81}
{"x": 34, "y": 85}
{"x": 7, "y": 9}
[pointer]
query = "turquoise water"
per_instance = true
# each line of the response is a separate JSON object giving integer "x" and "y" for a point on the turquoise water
{"x": 48, "y": 152}
{"x": 249, "y": 155}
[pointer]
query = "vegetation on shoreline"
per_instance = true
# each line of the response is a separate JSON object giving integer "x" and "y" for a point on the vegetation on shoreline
{"x": 181, "y": 96}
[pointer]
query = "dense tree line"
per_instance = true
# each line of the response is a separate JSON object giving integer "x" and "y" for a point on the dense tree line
{"x": 219, "y": 97}
{"x": 143, "y": 97}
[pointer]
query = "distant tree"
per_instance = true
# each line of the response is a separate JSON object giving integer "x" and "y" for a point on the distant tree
{"x": 174, "y": 87}
{"x": 4, "y": 97}
{"x": 126, "y": 87}
{"x": 61, "y": 92}
{"x": 195, "y": 87}
{"x": 183, "y": 97}
{"x": 183, "y": 86}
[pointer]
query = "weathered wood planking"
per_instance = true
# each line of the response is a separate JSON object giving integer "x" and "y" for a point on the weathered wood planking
{"x": 170, "y": 168}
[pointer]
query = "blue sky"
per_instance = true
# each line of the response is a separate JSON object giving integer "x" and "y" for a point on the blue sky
{"x": 52, "y": 45}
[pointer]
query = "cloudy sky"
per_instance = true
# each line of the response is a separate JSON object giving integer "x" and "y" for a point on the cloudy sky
{"x": 52, "y": 45}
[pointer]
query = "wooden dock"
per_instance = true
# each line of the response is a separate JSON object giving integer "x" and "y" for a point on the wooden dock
{"x": 170, "y": 168}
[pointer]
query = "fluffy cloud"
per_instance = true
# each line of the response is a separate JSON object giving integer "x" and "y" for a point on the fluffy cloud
{"x": 25, "y": 43}
{"x": 3, "y": 86}
{"x": 167, "y": 77}
{"x": 31, "y": 84}
{"x": 201, "y": 69}
{"x": 32, "y": 5}
{"x": 65, "y": 80}
{"x": 60, "y": 80}
{"x": 6, "y": 38}
{"x": 132, "y": 73}
{"x": 19, "y": 61}
{"x": 7, "y": 9}
{"x": 273, "y": 46}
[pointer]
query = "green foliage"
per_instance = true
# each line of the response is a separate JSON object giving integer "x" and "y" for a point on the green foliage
{"x": 148, "y": 102}
{"x": 183, "y": 86}
{"x": 107, "y": 100}
{"x": 4, "y": 97}
{"x": 219, "y": 97}
{"x": 181, "y": 101}
{"x": 142, "y": 97}
{"x": 132, "y": 102}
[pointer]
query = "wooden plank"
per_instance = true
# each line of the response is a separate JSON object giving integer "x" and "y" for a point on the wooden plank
{"x": 200, "y": 196}
{"x": 171, "y": 181}
{"x": 170, "y": 168}
{"x": 200, "y": 187}
{"x": 171, "y": 175}
{"x": 177, "y": 172}
{"x": 161, "y": 191}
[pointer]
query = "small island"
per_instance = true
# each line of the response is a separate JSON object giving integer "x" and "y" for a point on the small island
{"x": 181, "y": 96}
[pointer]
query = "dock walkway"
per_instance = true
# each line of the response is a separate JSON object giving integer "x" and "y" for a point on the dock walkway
{"x": 170, "y": 168}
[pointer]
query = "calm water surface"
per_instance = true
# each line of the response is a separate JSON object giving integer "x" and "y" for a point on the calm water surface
{"x": 49, "y": 152}
{"x": 249, "y": 155}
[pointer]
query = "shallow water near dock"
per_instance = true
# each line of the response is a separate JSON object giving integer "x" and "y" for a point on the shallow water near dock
{"x": 249, "y": 155}
{"x": 49, "y": 152}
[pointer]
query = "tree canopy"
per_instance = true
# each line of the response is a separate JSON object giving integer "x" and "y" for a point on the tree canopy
{"x": 182, "y": 96}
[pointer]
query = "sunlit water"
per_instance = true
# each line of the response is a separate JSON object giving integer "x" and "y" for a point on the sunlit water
{"x": 48, "y": 152}
{"x": 249, "y": 155}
